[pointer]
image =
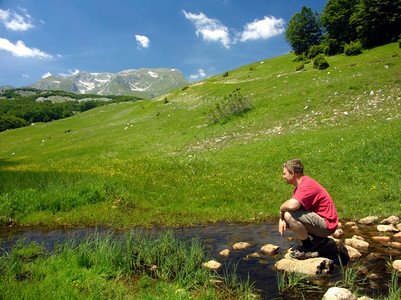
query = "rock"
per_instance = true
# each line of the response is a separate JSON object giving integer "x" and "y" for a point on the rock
{"x": 387, "y": 228}
{"x": 269, "y": 249}
{"x": 336, "y": 293}
{"x": 368, "y": 220}
{"x": 395, "y": 245}
{"x": 225, "y": 252}
{"x": 365, "y": 298}
{"x": 338, "y": 233}
{"x": 398, "y": 226}
{"x": 357, "y": 244}
{"x": 241, "y": 245}
{"x": 391, "y": 220}
{"x": 397, "y": 236}
{"x": 253, "y": 255}
{"x": 353, "y": 253}
{"x": 310, "y": 266}
{"x": 358, "y": 237}
{"x": 350, "y": 224}
{"x": 381, "y": 238}
{"x": 212, "y": 264}
{"x": 355, "y": 227}
{"x": 397, "y": 265}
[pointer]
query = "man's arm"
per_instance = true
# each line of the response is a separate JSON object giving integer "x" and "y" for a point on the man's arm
{"x": 289, "y": 205}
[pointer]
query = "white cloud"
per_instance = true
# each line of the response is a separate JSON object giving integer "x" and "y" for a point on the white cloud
{"x": 14, "y": 21}
{"x": 143, "y": 41}
{"x": 209, "y": 29}
{"x": 70, "y": 73}
{"x": 201, "y": 73}
{"x": 262, "y": 29}
{"x": 20, "y": 50}
{"x": 48, "y": 74}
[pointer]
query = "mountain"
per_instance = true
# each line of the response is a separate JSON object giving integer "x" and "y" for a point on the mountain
{"x": 144, "y": 83}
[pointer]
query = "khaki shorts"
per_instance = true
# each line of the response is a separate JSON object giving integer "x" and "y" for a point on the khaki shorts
{"x": 314, "y": 223}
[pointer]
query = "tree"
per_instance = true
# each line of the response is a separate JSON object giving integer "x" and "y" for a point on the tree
{"x": 336, "y": 21}
{"x": 304, "y": 30}
{"x": 377, "y": 21}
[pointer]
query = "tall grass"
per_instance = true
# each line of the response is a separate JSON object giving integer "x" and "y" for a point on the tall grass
{"x": 104, "y": 267}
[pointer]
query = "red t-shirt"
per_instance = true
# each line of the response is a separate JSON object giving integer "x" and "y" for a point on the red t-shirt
{"x": 315, "y": 198}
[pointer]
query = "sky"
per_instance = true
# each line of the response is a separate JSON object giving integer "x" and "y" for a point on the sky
{"x": 201, "y": 38}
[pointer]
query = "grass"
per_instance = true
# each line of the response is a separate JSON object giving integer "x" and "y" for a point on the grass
{"x": 101, "y": 267}
{"x": 164, "y": 163}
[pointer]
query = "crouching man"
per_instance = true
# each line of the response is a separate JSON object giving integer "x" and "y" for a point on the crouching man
{"x": 309, "y": 213}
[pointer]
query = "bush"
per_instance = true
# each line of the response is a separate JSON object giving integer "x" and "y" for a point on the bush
{"x": 353, "y": 48}
{"x": 232, "y": 105}
{"x": 332, "y": 47}
{"x": 300, "y": 66}
{"x": 315, "y": 50}
{"x": 11, "y": 122}
{"x": 320, "y": 62}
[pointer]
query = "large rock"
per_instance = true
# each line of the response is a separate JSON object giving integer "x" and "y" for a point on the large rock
{"x": 269, "y": 249}
{"x": 241, "y": 245}
{"x": 387, "y": 228}
{"x": 310, "y": 266}
{"x": 212, "y": 264}
{"x": 391, "y": 220}
{"x": 353, "y": 253}
{"x": 369, "y": 220}
{"x": 336, "y": 293}
{"x": 357, "y": 244}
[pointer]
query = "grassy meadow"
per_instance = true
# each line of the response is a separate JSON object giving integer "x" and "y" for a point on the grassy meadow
{"x": 162, "y": 162}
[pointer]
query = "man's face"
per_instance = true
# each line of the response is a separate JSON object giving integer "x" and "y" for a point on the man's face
{"x": 288, "y": 176}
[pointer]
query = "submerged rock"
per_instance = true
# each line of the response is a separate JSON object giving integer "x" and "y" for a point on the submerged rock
{"x": 357, "y": 244}
{"x": 381, "y": 238}
{"x": 353, "y": 253}
{"x": 337, "y": 293}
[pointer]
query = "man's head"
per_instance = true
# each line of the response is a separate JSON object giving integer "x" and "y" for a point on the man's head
{"x": 292, "y": 170}
{"x": 294, "y": 165}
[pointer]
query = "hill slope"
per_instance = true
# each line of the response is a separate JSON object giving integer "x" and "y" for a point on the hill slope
{"x": 144, "y": 83}
{"x": 163, "y": 162}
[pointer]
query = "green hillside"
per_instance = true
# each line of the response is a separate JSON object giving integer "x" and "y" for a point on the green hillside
{"x": 163, "y": 162}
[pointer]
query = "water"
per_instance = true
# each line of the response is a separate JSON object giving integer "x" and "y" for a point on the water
{"x": 217, "y": 237}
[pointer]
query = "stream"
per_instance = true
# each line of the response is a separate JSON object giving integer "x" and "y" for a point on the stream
{"x": 220, "y": 236}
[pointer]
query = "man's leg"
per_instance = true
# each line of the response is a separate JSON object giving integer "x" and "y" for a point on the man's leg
{"x": 299, "y": 229}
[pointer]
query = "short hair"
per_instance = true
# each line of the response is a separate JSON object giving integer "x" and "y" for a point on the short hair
{"x": 294, "y": 165}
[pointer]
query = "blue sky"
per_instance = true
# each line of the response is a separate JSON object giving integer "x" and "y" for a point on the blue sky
{"x": 199, "y": 37}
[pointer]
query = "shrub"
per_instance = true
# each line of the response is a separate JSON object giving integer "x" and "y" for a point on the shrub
{"x": 300, "y": 66}
{"x": 353, "y": 48}
{"x": 225, "y": 74}
{"x": 332, "y": 47}
{"x": 320, "y": 62}
{"x": 232, "y": 105}
{"x": 315, "y": 50}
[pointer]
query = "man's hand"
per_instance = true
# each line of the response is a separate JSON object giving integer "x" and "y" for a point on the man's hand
{"x": 282, "y": 226}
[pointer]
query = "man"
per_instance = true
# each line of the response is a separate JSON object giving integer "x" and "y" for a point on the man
{"x": 309, "y": 212}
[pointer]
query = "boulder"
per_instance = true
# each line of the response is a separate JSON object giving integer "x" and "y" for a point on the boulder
{"x": 387, "y": 228}
{"x": 212, "y": 264}
{"x": 353, "y": 253}
{"x": 369, "y": 220}
{"x": 397, "y": 265}
{"x": 357, "y": 244}
{"x": 337, "y": 293}
{"x": 241, "y": 245}
{"x": 225, "y": 252}
{"x": 338, "y": 233}
{"x": 269, "y": 249}
{"x": 391, "y": 220}
{"x": 381, "y": 238}
{"x": 310, "y": 266}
